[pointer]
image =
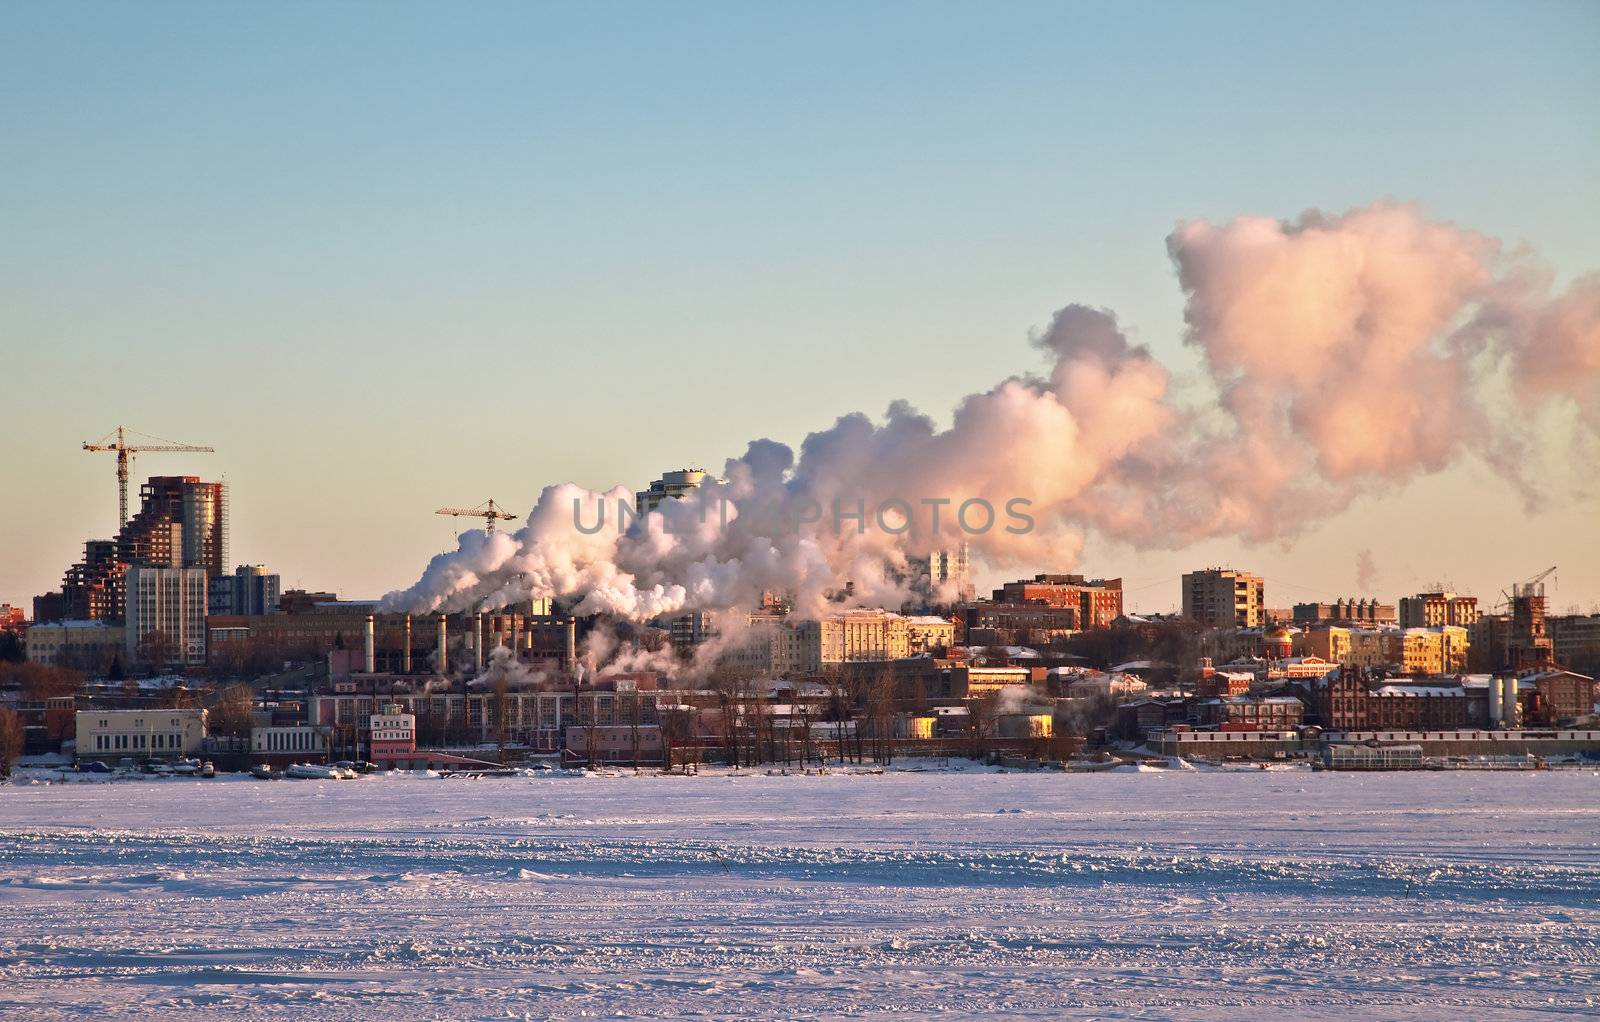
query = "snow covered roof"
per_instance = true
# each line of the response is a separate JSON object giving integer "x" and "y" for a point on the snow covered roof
{"x": 1134, "y": 665}
{"x": 1452, "y": 691}
{"x": 1540, "y": 675}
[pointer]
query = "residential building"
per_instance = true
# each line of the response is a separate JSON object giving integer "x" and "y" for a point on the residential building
{"x": 946, "y": 572}
{"x": 1575, "y": 639}
{"x": 1098, "y": 602}
{"x": 1224, "y": 598}
{"x": 139, "y": 733}
{"x": 182, "y": 522}
{"x": 166, "y": 617}
{"x": 1437, "y": 608}
{"x": 929, "y": 634}
{"x": 671, "y": 486}
{"x": 82, "y": 645}
{"x": 1346, "y": 612}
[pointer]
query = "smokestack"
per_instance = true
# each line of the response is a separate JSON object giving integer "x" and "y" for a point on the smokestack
{"x": 477, "y": 641}
{"x": 443, "y": 665}
{"x": 572, "y": 642}
{"x": 516, "y": 634}
{"x": 405, "y": 653}
{"x": 372, "y": 653}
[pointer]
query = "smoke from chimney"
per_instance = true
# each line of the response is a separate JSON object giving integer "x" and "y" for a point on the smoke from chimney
{"x": 1347, "y": 353}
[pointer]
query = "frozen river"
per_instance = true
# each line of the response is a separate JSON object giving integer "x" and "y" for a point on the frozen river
{"x": 1126, "y": 895}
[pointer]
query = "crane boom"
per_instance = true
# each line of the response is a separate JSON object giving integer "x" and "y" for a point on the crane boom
{"x": 125, "y": 452}
{"x": 489, "y": 511}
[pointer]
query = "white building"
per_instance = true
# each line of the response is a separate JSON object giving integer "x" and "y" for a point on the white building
{"x": 136, "y": 733}
{"x": 166, "y": 616}
{"x": 291, "y": 740}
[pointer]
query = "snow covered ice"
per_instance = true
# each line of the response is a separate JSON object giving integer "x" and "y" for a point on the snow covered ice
{"x": 1169, "y": 894}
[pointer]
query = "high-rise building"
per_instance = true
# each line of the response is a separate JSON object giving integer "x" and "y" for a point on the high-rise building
{"x": 948, "y": 570}
{"x": 182, "y": 522}
{"x": 1438, "y": 608}
{"x": 166, "y": 616}
{"x": 1224, "y": 598}
{"x": 670, "y": 486}
{"x": 250, "y": 590}
{"x": 686, "y": 630}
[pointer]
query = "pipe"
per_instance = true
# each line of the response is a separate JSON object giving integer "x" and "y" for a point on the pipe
{"x": 405, "y": 653}
{"x": 372, "y": 653}
{"x": 443, "y": 659}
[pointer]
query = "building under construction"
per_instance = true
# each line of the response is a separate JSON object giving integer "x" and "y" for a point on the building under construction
{"x": 182, "y": 522}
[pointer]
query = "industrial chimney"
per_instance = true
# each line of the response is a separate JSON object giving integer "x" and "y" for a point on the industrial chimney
{"x": 372, "y": 652}
{"x": 443, "y": 665}
{"x": 405, "y": 653}
{"x": 477, "y": 641}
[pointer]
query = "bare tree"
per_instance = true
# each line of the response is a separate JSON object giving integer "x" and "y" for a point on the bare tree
{"x": 157, "y": 649}
{"x": 11, "y": 740}
{"x": 232, "y": 712}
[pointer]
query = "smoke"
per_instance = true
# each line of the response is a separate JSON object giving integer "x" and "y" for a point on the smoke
{"x": 1366, "y": 571}
{"x": 1347, "y": 354}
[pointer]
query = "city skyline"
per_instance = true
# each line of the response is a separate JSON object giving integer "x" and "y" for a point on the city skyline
{"x": 427, "y": 327}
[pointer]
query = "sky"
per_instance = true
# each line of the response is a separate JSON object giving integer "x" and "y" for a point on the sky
{"x": 393, "y": 256}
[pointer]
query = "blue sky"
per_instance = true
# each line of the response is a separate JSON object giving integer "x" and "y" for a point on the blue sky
{"x": 387, "y": 257}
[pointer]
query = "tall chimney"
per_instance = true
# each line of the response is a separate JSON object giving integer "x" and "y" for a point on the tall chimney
{"x": 405, "y": 653}
{"x": 443, "y": 665}
{"x": 477, "y": 641}
{"x": 372, "y": 653}
{"x": 516, "y": 634}
{"x": 572, "y": 642}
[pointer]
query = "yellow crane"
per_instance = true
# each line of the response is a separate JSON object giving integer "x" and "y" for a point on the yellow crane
{"x": 126, "y": 451}
{"x": 488, "y": 511}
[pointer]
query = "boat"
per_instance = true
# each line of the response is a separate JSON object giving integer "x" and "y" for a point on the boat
{"x": 262, "y": 772}
{"x": 208, "y": 769}
{"x": 186, "y": 767}
{"x": 318, "y": 772}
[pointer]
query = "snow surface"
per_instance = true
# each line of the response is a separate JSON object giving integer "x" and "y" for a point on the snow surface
{"x": 1161, "y": 894}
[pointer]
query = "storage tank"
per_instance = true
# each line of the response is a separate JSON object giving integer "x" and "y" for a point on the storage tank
{"x": 1508, "y": 703}
{"x": 1496, "y": 709}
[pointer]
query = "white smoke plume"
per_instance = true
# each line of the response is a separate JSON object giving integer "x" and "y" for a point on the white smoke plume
{"x": 1348, "y": 353}
{"x": 1366, "y": 571}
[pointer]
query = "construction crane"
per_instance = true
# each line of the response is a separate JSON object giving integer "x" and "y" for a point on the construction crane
{"x": 126, "y": 451}
{"x": 1533, "y": 587}
{"x": 488, "y": 511}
